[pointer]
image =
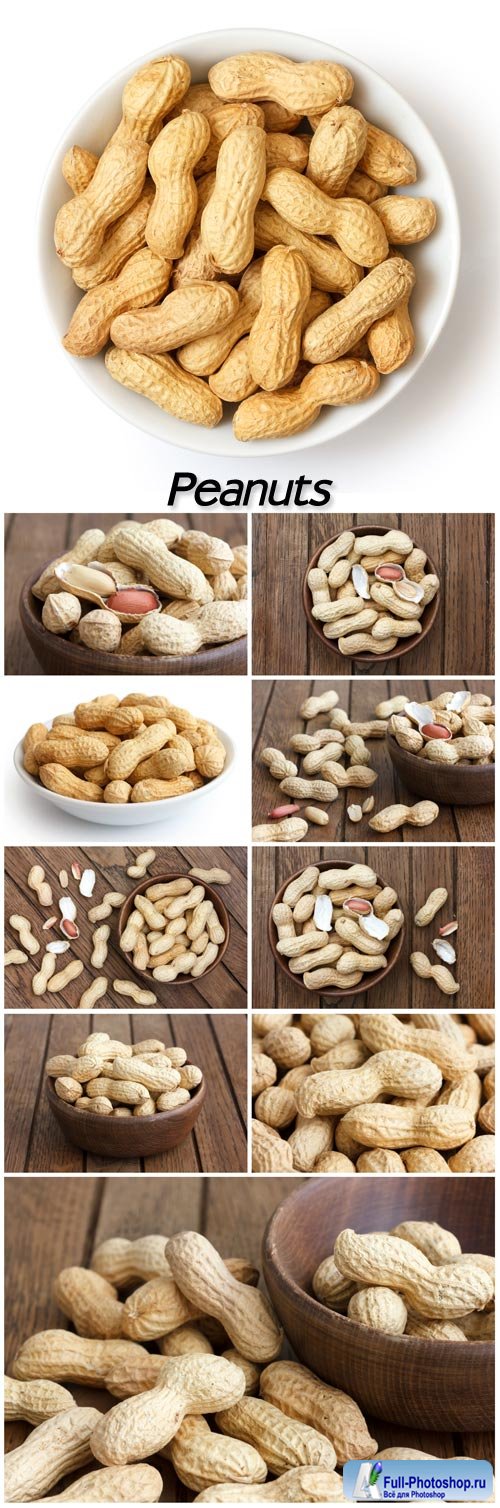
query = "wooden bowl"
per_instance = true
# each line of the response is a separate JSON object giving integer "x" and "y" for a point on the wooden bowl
{"x": 403, "y": 646}
{"x": 58, "y": 656}
{"x": 131, "y": 1136}
{"x": 161, "y": 879}
{"x": 368, "y": 980}
{"x": 449, "y": 785}
{"x": 427, "y": 1384}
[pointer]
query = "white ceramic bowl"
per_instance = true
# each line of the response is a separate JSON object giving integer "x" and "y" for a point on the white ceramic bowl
{"x": 436, "y": 260}
{"x": 131, "y": 815}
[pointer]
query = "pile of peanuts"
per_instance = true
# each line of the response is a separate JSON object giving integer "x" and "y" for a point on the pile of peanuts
{"x": 181, "y": 590}
{"x": 113, "y": 1078}
{"x": 139, "y": 748}
{"x": 373, "y": 1093}
{"x": 452, "y": 728}
{"x": 164, "y": 223}
{"x": 370, "y": 590}
{"x": 341, "y": 902}
{"x": 323, "y": 752}
{"x": 413, "y": 1280}
{"x": 185, "y": 933}
{"x": 275, "y": 1431}
{"x": 216, "y": 1341}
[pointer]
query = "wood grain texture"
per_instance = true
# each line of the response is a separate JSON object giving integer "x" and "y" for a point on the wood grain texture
{"x": 461, "y": 641}
{"x": 276, "y": 716}
{"x": 466, "y": 873}
{"x": 34, "y": 1143}
{"x": 223, "y": 989}
{"x": 31, "y": 539}
{"x": 59, "y": 1224}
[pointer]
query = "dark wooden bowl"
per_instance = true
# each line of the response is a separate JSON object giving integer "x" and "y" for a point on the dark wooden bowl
{"x": 131, "y": 1136}
{"x": 404, "y": 645}
{"x": 58, "y": 656}
{"x": 427, "y": 1384}
{"x": 161, "y": 879}
{"x": 368, "y": 980}
{"x": 449, "y": 785}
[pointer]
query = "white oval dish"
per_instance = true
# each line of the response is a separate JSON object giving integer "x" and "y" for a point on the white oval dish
{"x": 436, "y": 260}
{"x": 132, "y": 814}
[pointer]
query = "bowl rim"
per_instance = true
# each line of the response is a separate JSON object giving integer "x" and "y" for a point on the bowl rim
{"x": 212, "y": 895}
{"x": 159, "y": 1116}
{"x": 284, "y": 1280}
{"x": 270, "y": 39}
{"x": 431, "y": 608}
{"x": 138, "y": 664}
{"x": 333, "y": 992}
{"x": 474, "y": 769}
{"x": 89, "y": 808}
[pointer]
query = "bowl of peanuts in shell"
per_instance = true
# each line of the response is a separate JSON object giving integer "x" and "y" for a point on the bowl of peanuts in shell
{"x": 275, "y": 88}
{"x": 61, "y": 773}
{"x": 330, "y": 578}
{"x": 413, "y": 1378}
{"x": 389, "y": 952}
{"x": 157, "y": 595}
{"x": 106, "y": 1134}
{"x": 221, "y": 919}
{"x": 467, "y": 783}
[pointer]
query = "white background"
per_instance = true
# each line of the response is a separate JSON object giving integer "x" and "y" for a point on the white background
{"x": 439, "y": 435}
{"x": 222, "y": 816}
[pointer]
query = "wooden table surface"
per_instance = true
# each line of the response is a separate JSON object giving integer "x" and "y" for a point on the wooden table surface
{"x": 276, "y": 717}
{"x": 224, "y": 989}
{"x": 34, "y": 1142}
{"x": 32, "y": 539}
{"x": 59, "y": 1223}
{"x": 462, "y": 549}
{"x": 467, "y": 875}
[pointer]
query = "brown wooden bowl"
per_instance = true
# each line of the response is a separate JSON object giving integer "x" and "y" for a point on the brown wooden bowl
{"x": 449, "y": 785}
{"x": 368, "y": 980}
{"x": 132, "y": 1136}
{"x": 403, "y": 646}
{"x": 161, "y": 879}
{"x": 427, "y": 1384}
{"x": 58, "y": 656}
